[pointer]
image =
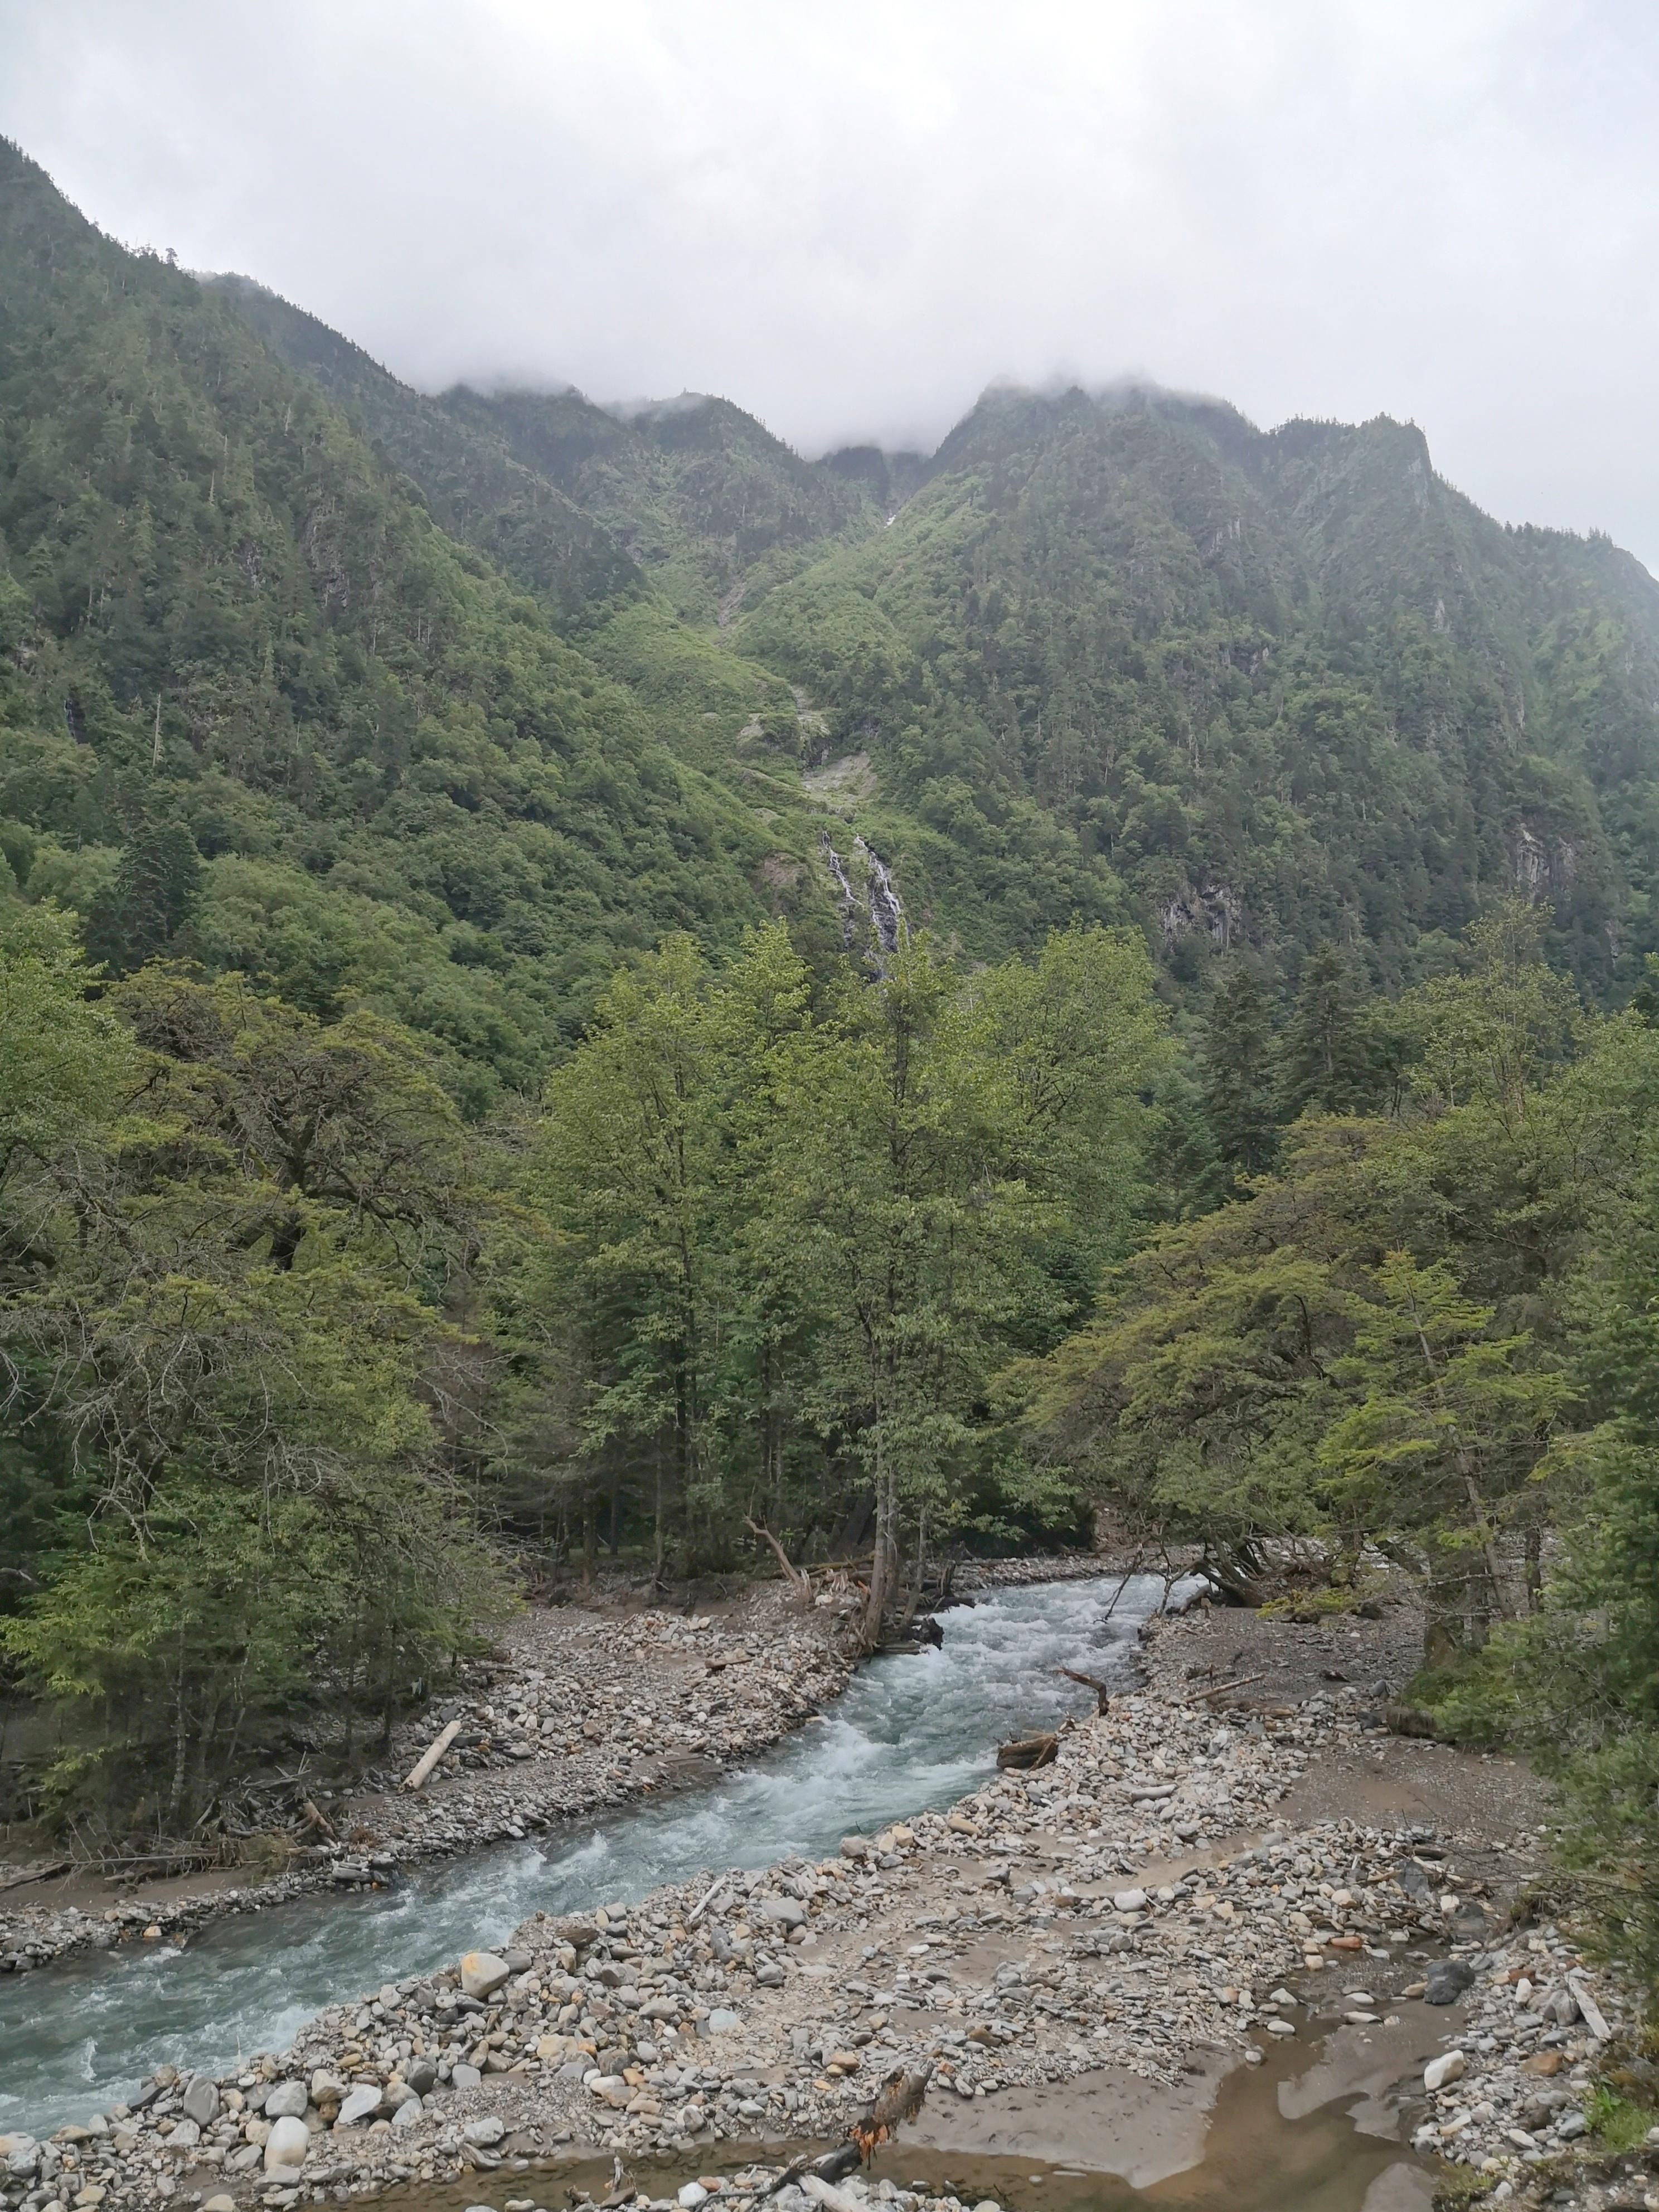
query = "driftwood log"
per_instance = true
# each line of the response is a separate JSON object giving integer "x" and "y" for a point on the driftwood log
{"x": 1029, "y": 1750}
{"x": 429, "y": 1758}
{"x": 1102, "y": 1694}
{"x": 830, "y": 2165}
{"x": 900, "y": 2097}
{"x": 1220, "y": 1689}
{"x": 314, "y": 1817}
{"x": 801, "y": 1582}
{"x": 47, "y": 1872}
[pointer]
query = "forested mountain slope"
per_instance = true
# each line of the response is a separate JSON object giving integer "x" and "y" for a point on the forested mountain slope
{"x": 1125, "y": 653}
{"x": 1289, "y": 685}
{"x": 692, "y": 492}
{"x": 471, "y": 483}
{"x": 1110, "y": 657}
{"x": 257, "y": 708}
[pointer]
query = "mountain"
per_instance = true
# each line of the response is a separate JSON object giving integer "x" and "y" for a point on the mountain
{"x": 1287, "y": 685}
{"x": 258, "y": 708}
{"x": 451, "y": 703}
{"x": 580, "y": 502}
{"x": 699, "y": 493}
{"x": 472, "y": 484}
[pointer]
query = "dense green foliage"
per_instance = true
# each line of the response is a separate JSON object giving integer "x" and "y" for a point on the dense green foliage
{"x": 436, "y": 1114}
{"x": 285, "y": 1342}
{"x": 230, "y": 633}
{"x": 793, "y": 1234}
{"x": 1289, "y": 685}
{"x": 1426, "y": 1336}
{"x": 225, "y": 1231}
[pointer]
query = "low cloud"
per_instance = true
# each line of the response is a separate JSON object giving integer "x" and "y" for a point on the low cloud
{"x": 851, "y": 219}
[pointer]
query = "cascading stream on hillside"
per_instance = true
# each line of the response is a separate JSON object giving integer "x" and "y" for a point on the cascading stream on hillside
{"x": 907, "y": 1733}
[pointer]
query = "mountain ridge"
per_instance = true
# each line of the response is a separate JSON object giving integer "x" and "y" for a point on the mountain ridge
{"x": 1117, "y": 655}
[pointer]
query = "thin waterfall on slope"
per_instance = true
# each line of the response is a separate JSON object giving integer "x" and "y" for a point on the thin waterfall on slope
{"x": 877, "y": 909}
{"x": 886, "y": 915}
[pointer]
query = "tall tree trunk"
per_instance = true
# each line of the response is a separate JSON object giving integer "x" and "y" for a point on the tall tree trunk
{"x": 180, "y": 1745}
{"x": 1459, "y": 1603}
{"x": 883, "y": 1568}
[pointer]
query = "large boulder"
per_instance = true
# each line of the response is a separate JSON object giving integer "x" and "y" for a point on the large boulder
{"x": 201, "y": 2100}
{"x": 287, "y": 2144}
{"x": 1446, "y": 1981}
{"x": 287, "y": 2101}
{"x": 359, "y": 2105}
{"x": 483, "y": 1973}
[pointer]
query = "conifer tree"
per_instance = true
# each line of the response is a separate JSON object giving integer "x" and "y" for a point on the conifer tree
{"x": 1237, "y": 1078}
{"x": 1325, "y": 1067}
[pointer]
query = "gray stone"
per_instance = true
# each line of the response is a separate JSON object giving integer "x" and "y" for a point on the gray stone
{"x": 1450, "y": 2066}
{"x": 408, "y": 2114}
{"x": 462, "y": 2077}
{"x": 721, "y": 2021}
{"x": 359, "y": 2105}
{"x": 23, "y": 2163}
{"x": 185, "y": 2136}
{"x": 483, "y": 2132}
{"x": 287, "y": 2101}
{"x": 422, "y": 2077}
{"x": 786, "y": 1911}
{"x": 1130, "y": 1900}
{"x": 202, "y": 2100}
{"x": 1445, "y": 1981}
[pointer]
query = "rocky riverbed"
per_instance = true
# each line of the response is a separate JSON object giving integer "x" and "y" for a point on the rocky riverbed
{"x": 1149, "y": 1903}
{"x": 579, "y": 1709}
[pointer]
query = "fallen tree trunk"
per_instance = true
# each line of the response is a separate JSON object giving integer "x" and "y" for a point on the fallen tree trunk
{"x": 1220, "y": 1689}
{"x": 801, "y": 1583}
{"x": 28, "y": 1873}
{"x": 429, "y": 1758}
{"x": 1028, "y": 1752}
{"x": 832, "y": 2166}
{"x": 315, "y": 1817}
{"x": 900, "y": 2097}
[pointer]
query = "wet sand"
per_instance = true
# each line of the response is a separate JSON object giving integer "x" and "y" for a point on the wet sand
{"x": 1287, "y": 2135}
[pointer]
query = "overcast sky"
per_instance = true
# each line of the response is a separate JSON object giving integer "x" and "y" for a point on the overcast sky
{"x": 850, "y": 216}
